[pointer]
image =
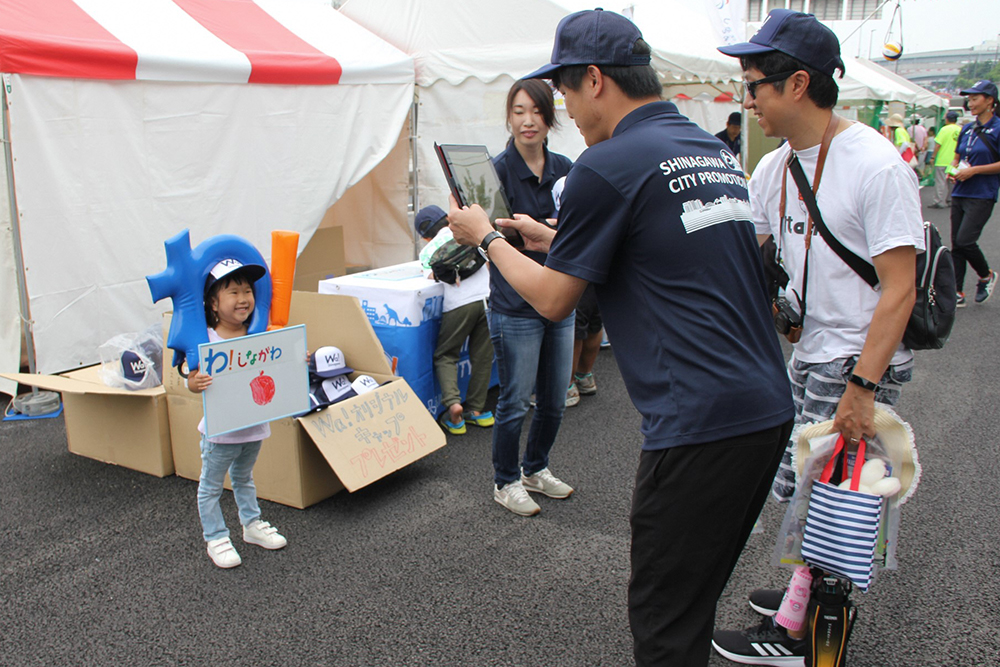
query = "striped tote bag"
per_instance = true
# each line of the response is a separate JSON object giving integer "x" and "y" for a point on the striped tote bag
{"x": 842, "y": 524}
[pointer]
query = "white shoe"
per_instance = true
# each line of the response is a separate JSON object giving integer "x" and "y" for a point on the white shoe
{"x": 264, "y": 535}
{"x": 545, "y": 482}
{"x": 516, "y": 499}
{"x": 223, "y": 553}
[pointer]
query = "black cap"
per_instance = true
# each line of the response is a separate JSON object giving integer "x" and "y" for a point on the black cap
{"x": 593, "y": 37}
{"x": 427, "y": 219}
{"x": 797, "y": 35}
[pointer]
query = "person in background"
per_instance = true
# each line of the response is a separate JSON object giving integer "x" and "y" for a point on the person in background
{"x": 532, "y": 351}
{"x": 732, "y": 136}
{"x": 899, "y": 136}
{"x": 463, "y": 317}
{"x": 945, "y": 141}
{"x": 977, "y": 180}
{"x": 849, "y": 356}
{"x": 681, "y": 290}
{"x": 229, "y": 303}
{"x": 919, "y": 134}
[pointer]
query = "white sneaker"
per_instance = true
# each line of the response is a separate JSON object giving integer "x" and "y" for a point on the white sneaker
{"x": 223, "y": 554}
{"x": 264, "y": 535}
{"x": 572, "y": 396}
{"x": 516, "y": 499}
{"x": 545, "y": 482}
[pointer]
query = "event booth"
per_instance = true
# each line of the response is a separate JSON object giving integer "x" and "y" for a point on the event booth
{"x": 131, "y": 120}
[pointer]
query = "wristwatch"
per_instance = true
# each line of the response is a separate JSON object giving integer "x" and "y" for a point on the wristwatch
{"x": 484, "y": 245}
{"x": 863, "y": 383}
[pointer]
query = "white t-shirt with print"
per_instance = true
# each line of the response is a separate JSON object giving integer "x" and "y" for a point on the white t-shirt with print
{"x": 870, "y": 202}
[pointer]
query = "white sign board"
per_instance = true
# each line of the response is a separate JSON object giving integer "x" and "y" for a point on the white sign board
{"x": 255, "y": 379}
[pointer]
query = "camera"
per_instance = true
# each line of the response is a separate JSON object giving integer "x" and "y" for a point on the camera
{"x": 787, "y": 320}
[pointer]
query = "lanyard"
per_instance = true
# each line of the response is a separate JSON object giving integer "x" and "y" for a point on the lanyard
{"x": 824, "y": 148}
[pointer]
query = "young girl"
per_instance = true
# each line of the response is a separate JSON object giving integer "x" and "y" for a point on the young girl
{"x": 229, "y": 302}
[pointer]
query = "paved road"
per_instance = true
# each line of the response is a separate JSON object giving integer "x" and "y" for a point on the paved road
{"x": 105, "y": 566}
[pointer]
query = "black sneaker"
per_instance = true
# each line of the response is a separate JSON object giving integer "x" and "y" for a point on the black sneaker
{"x": 766, "y": 601}
{"x": 764, "y": 644}
{"x": 985, "y": 287}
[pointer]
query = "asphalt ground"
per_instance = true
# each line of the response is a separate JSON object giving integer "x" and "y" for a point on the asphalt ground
{"x": 101, "y": 565}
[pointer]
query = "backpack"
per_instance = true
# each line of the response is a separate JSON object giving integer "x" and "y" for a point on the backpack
{"x": 453, "y": 262}
{"x": 934, "y": 310}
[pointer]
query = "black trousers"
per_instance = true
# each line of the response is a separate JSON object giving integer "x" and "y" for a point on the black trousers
{"x": 968, "y": 217}
{"x": 692, "y": 511}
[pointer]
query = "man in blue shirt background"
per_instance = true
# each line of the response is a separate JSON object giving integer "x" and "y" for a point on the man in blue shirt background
{"x": 732, "y": 136}
{"x": 656, "y": 214}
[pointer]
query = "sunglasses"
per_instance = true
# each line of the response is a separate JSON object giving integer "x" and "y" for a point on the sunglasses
{"x": 751, "y": 86}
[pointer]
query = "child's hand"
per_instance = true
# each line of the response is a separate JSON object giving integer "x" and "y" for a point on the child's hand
{"x": 198, "y": 381}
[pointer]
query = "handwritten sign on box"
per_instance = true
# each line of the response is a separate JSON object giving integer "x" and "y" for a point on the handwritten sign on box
{"x": 369, "y": 436}
{"x": 255, "y": 379}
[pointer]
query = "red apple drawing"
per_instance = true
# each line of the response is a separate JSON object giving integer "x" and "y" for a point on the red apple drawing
{"x": 262, "y": 388}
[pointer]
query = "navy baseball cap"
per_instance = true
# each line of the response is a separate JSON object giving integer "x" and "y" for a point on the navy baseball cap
{"x": 134, "y": 367}
{"x": 593, "y": 37}
{"x": 797, "y": 35}
{"x": 951, "y": 115}
{"x": 983, "y": 87}
{"x": 426, "y": 221}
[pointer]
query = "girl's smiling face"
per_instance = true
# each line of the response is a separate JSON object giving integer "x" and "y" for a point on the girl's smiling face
{"x": 526, "y": 122}
{"x": 233, "y": 304}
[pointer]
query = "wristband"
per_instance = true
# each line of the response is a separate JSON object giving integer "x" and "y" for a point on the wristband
{"x": 861, "y": 382}
{"x": 484, "y": 245}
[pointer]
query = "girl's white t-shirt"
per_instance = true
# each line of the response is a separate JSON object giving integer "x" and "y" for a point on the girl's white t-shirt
{"x": 870, "y": 202}
{"x": 249, "y": 434}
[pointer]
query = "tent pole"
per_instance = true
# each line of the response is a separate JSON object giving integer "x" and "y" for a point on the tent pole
{"x": 415, "y": 179}
{"x": 22, "y": 291}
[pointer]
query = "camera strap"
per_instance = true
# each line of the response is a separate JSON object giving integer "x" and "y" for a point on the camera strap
{"x": 808, "y": 197}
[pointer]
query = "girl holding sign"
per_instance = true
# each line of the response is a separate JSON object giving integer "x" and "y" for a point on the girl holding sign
{"x": 229, "y": 303}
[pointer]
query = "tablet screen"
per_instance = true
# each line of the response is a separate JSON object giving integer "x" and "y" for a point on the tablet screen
{"x": 473, "y": 178}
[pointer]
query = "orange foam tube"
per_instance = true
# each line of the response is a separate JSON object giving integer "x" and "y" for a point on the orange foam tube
{"x": 284, "y": 247}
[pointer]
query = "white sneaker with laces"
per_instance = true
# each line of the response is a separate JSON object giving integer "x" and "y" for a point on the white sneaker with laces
{"x": 223, "y": 553}
{"x": 545, "y": 482}
{"x": 516, "y": 499}
{"x": 264, "y": 535}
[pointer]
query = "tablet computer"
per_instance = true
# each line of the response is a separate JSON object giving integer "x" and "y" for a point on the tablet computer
{"x": 473, "y": 180}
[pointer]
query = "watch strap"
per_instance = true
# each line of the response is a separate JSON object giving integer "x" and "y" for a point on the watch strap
{"x": 484, "y": 245}
{"x": 862, "y": 382}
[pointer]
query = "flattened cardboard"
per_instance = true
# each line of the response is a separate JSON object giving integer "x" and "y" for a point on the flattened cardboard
{"x": 350, "y": 444}
{"x": 322, "y": 258}
{"x": 126, "y": 428}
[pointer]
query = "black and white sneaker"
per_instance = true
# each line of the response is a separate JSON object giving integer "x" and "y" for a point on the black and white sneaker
{"x": 766, "y": 601}
{"x": 764, "y": 644}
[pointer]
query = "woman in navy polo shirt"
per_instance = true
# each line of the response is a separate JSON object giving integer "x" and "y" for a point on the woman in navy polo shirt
{"x": 977, "y": 158}
{"x": 531, "y": 351}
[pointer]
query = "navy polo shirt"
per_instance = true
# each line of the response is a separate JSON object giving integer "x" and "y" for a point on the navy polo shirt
{"x": 530, "y": 196}
{"x": 734, "y": 145}
{"x": 974, "y": 142}
{"x": 658, "y": 217}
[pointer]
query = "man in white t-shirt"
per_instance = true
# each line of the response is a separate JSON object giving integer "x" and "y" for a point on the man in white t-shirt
{"x": 850, "y": 354}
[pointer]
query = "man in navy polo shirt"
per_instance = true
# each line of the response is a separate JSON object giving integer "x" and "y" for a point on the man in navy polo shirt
{"x": 656, "y": 214}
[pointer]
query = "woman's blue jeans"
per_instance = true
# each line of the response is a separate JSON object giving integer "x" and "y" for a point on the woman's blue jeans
{"x": 216, "y": 460}
{"x": 531, "y": 354}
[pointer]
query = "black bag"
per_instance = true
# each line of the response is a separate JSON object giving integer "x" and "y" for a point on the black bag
{"x": 453, "y": 262}
{"x": 934, "y": 310}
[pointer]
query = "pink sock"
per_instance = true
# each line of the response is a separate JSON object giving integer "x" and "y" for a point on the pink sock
{"x": 792, "y": 612}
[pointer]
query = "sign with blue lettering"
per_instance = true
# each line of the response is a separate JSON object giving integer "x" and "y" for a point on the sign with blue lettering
{"x": 255, "y": 379}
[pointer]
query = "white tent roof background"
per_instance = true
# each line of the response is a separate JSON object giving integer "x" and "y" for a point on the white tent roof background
{"x": 168, "y": 134}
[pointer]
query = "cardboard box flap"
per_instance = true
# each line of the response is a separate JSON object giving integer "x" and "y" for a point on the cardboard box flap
{"x": 82, "y": 381}
{"x": 370, "y": 436}
{"x": 343, "y": 315}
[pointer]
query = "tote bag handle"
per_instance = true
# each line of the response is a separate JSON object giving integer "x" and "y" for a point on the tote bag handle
{"x": 840, "y": 450}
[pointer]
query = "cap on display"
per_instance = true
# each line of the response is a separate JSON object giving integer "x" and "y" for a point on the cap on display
{"x": 328, "y": 362}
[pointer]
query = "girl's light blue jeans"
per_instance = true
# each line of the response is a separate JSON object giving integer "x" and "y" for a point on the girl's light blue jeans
{"x": 531, "y": 354}
{"x": 216, "y": 460}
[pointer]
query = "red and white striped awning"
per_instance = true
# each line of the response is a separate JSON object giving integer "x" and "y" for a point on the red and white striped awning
{"x": 227, "y": 41}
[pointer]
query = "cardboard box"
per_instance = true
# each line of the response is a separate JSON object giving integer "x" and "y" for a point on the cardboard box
{"x": 348, "y": 445}
{"x": 126, "y": 428}
{"x": 322, "y": 258}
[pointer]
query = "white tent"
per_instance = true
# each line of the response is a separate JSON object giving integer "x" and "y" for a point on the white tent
{"x": 131, "y": 120}
{"x": 468, "y": 54}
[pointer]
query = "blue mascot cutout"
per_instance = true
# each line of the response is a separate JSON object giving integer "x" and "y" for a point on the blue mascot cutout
{"x": 184, "y": 282}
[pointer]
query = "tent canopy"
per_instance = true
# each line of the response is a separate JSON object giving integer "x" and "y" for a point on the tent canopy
{"x": 134, "y": 119}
